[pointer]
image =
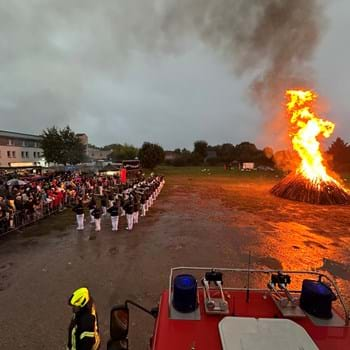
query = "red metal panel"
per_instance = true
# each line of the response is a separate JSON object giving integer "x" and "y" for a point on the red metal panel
{"x": 204, "y": 334}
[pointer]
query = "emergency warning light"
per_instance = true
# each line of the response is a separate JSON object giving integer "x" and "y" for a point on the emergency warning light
{"x": 316, "y": 299}
{"x": 185, "y": 293}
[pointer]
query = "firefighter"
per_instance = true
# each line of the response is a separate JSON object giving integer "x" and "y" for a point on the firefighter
{"x": 83, "y": 329}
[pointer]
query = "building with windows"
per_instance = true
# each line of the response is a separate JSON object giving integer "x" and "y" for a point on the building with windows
{"x": 84, "y": 140}
{"x": 95, "y": 154}
{"x": 20, "y": 150}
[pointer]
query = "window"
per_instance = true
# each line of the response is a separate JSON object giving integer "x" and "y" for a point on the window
{"x": 27, "y": 155}
{"x": 34, "y": 153}
{"x": 22, "y": 154}
{"x": 13, "y": 154}
{"x": 8, "y": 154}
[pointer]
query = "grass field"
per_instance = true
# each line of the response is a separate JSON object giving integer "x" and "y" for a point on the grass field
{"x": 216, "y": 172}
{"x": 250, "y": 192}
{"x": 219, "y": 171}
{"x": 296, "y": 234}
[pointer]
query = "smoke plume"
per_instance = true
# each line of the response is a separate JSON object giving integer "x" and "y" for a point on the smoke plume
{"x": 62, "y": 60}
{"x": 271, "y": 39}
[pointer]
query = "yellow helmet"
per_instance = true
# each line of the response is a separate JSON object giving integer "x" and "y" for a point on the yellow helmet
{"x": 80, "y": 297}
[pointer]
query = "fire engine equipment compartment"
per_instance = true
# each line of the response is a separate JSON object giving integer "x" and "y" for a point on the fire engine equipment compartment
{"x": 250, "y": 333}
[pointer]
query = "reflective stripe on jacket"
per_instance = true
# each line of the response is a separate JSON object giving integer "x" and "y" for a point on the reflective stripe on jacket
{"x": 83, "y": 330}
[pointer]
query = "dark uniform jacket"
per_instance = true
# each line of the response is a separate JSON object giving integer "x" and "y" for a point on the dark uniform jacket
{"x": 79, "y": 209}
{"x": 114, "y": 210}
{"x": 97, "y": 213}
{"x": 129, "y": 207}
{"x": 92, "y": 204}
{"x": 143, "y": 198}
{"x": 104, "y": 201}
{"x": 83, "y": 329}
{"x": 136, "y": 206}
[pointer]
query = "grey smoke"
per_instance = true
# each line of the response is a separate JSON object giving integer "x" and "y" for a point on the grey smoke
{"x": 55, "y": 54}
{"x": 271, "y": 39}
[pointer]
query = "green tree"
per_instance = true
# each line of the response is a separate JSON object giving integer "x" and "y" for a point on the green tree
{"x": 51, "y": 143}
{"x": 246, "y": 152}
{"x": 122, "y": 152}
{"x": 340, "y": 154}
{"x": 62, "y": 146}
{"x": 225, "y": 152}
{"x": 200, "y": 151}
{"x": 73, "y": 151}
{"x": 151, "y": 155}
{"x": 184, "y": 157}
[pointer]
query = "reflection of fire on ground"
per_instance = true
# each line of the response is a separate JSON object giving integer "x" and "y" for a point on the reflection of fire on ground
{"x": 296, "y": 247}
{"x": 279, "y": 234}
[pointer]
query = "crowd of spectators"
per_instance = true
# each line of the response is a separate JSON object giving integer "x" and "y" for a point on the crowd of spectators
{"x": 24, "y": 201}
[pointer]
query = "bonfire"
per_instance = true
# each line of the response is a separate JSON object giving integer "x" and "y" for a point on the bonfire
{"x": 311, "y": 181}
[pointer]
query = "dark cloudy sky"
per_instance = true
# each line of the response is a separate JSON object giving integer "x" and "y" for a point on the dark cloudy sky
{"x": 109, "y": 68}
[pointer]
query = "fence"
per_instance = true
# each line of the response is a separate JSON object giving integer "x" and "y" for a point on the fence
{"x": 21, "y": 218}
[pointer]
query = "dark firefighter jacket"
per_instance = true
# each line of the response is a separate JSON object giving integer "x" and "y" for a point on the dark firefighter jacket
{"x": 83, "y": 330}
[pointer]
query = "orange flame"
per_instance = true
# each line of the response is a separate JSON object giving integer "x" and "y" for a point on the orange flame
{"x": 306, "y": 128}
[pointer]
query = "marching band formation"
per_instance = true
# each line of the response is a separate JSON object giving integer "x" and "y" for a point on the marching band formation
{"x": 130, "y": 200}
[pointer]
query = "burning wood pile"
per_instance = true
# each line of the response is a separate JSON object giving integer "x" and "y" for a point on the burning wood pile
{"x": 311, "y": 181}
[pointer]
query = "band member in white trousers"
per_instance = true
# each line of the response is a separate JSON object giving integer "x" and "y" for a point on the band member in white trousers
{"x": 114, "y": 212}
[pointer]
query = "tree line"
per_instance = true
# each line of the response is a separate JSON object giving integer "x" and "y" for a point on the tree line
{"x": 63, "y": 146}
{"x": 225, "y": 153}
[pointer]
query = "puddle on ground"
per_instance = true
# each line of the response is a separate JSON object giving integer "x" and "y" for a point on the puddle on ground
{"x": 337, "y": 269}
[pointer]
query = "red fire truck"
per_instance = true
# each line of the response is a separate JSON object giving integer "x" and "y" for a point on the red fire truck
{"x": 286, "y": 310}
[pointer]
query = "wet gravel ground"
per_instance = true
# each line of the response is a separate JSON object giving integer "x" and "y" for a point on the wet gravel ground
{"x": 195, "y": 222}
